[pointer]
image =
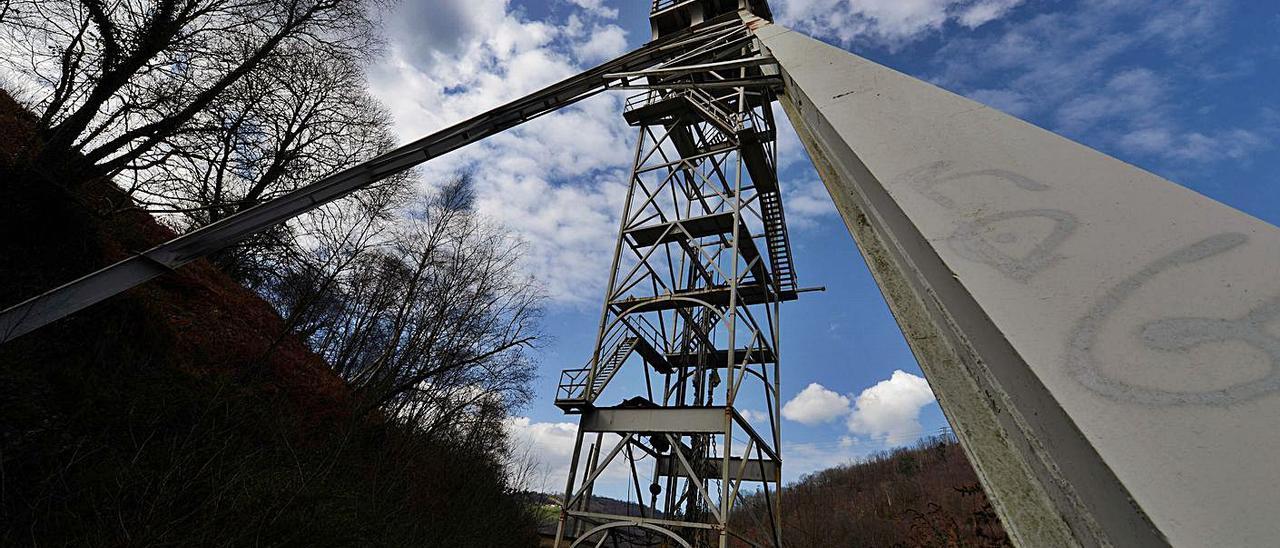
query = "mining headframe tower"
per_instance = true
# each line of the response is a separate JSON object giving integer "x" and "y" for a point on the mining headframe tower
{"x": 691, "y": 315}
{"x": 1105, "y": 343}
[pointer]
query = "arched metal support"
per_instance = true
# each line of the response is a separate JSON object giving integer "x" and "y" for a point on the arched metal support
{"x": 642, "y": 525}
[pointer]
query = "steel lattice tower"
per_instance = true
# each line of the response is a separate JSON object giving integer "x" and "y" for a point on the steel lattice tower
{"x": 1076, "y": 316}
{"x": 690, "y": 320}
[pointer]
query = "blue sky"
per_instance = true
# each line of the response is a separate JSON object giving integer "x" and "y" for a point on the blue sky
{"x": 1186, "y": 89}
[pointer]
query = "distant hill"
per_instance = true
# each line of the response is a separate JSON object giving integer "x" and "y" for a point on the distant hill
{"x": 550, "y": 508}
{"x": 923, "y": 495}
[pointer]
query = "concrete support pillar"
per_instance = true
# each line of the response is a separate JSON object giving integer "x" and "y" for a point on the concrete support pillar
{"x": 1105, "y": 342}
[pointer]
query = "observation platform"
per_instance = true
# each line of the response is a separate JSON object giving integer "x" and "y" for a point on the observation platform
{"x": 709, "y": 467}
{"x": 692, "y": 228}
{"x": 720, "y": 358}
{"x": 674, "y": 111}
{"x": 718, "y": 296}
{"x": 669, "y": 16}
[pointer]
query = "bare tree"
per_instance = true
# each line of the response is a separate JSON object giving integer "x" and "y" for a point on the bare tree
{"x": 302, "y": 116}
{"x": 430, "y": 321}
{"x": 120, "y": 78}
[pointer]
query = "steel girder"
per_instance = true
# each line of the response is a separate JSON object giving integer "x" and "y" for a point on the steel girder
{"x": 95, "y": 287}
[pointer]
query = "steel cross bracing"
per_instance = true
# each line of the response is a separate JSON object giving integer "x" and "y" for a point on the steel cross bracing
{"x": 689, "y": 327}
{"x": 683, "y": 46}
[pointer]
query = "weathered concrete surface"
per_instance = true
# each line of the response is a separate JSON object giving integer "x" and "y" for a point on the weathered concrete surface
{"x": 1106, "y": 342}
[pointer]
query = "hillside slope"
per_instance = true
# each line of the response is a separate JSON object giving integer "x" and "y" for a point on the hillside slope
{"x": 924, "y": 495}
{"x": 182, "y": 412}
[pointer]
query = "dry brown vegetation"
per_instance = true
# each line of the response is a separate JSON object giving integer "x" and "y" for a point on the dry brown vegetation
{"x": 187, "y": 412}
{"x": 924, "y": 495}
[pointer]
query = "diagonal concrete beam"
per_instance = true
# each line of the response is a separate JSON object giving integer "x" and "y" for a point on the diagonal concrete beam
{"x": 1105, "y": 342}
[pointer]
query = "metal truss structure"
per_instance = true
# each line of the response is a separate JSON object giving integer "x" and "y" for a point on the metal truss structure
{"x": 1076, "y": 316}
{"x": 69, "y": 298}
{"x": 690, "y": 320}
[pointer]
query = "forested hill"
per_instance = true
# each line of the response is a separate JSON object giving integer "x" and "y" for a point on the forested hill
{"x": 189, "y": 412}
{"x": 923, "y": 495}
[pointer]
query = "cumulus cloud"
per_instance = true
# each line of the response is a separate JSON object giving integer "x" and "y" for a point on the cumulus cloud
{"x": 549, "y": 447}
{"x": 605, "y": 42}
{"x": 807, "y": 204}
{"x": 891, "y": 408}
{"x": 1073, "y": 68}
{"x": 887, "y": 22}
{"x": 815, "y": 405}
{"x": 755, "y": 417}
{"x": 560, "y": 198}
{"x": 596, "y": 7}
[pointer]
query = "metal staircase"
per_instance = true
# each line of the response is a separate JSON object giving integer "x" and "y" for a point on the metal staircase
{"x": 579, "y": 388}
{"x": 611, "y": 364}
{"x": 775, "y": 231}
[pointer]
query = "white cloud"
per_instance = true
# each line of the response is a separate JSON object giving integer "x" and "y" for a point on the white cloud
{"x": 984, "y": 11}
{"x": 549, "y": 445}
{"x": 807, "y": 204}
{"x": 606, "y": 42}
{"x": 1234, "y": 144}
{"x": 790, "y": 150}
{"x": 1129, "y": 95}
{"x": 1074, "y": 68}
{"x": 756, "y": 418}
{"x": 1004, "y": 100}
{"x": 557, "y": 180}
{"x": 596, "y": 7}
{"x": 815, "y": 405}
{"x": 891, "y": 408}
{"x": 807, "y": 457}
{"x": 886, "y": 22}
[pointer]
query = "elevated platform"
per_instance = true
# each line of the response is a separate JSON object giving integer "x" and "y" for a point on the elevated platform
{"x": 657, "y": 420}
{"x": 671, "y": 16}
{"x": 720, "y": 358}
{"x": 652, "y": 357}
{"x": 668, "y": 109}
{"x": 716, "y": 224}
{"x": 748, "y": 294}
{"x": 755, "y": 469}
{"x": 694, "y": 227}
{"x": 572, "y": 395}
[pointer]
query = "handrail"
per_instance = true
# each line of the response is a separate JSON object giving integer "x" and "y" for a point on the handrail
{"x": 572, "y": 383}
{"x": 698, "y": 97}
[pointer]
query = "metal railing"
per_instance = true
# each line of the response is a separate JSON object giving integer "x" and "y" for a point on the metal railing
{"x": 573, "y": 384}
{"x": 659, "y": 5}
{"x": 700, "y": 99}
